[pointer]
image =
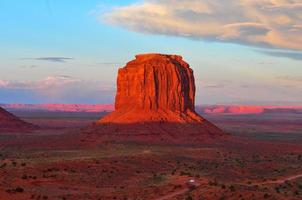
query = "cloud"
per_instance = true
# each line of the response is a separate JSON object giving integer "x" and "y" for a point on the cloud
{"x": 109, "y": 63}
{"x": 50, "y": 59}
{"x": 290, "y": 78}
{"x": 59, "y": 88}
{"x": 3, "y": 83}
{"x": 295, "y": 55}
{"x": 214, "y": 86}
{"x": 58, "y": 81}
{"x": 209, "y": 85}
{"x": 264, "y": 23}
{"x": 29, "y": 66}
{"x": 50, "y": 81}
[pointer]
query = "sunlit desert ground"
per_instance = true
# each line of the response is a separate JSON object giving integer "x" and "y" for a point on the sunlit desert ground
{"x": 260, "y": 159}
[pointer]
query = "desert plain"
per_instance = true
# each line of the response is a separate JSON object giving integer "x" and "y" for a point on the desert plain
{"x": 260, "y": 158}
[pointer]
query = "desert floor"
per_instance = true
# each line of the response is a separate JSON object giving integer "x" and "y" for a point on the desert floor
{"x": 262, "y": 159}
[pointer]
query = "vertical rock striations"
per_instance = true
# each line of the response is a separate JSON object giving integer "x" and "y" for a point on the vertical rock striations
{"x": 156, "y": 82}
{"x": 156, "y": 96}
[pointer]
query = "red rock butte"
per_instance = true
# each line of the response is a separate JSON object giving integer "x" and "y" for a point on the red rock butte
{"x": 156, "y": 95}
{"x": 9, "y": 122}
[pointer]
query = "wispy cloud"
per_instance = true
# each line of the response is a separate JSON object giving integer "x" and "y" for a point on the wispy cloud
{"x": 109, "y": 63}
{"x": 269, "y": 23}
{"x": 29, "y": 66}
{"x": 295, "y": 55}
{"x": 214, "y": 86}
{"x": 290, "y": 78}
{"x": 51, "y": 59}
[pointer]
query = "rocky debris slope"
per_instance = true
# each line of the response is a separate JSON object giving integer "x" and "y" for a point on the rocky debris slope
{"x": 9, "y": 122}
{"x": 156, "y": 96}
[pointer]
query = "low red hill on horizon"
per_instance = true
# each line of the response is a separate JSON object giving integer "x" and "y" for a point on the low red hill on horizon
{"x": 11, "y": 123}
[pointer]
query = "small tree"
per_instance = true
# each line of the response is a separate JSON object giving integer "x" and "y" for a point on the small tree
{"x": 189, "y": 197}
{"x": 19, "y": 189}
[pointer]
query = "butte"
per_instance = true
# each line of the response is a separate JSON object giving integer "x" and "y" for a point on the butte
{"x": 155, "y": 102}
{"x": 11, "y": 123}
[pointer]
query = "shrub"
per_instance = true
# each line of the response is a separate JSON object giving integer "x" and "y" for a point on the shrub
{"x": 3, "y": 165}
{"x": 213, "y": 183}
{"x": 189, "y": 198}
{"x": 232, "y": 188}
{"x": 19, "y": 189}
{"x": 277, "y": 189}
{"x": 24, "y": 176}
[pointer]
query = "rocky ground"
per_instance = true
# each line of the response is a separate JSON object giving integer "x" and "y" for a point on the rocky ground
{"x": 51, "y": 164}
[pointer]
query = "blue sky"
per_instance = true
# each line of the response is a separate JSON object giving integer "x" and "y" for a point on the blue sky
{"x": 64, "y": 51}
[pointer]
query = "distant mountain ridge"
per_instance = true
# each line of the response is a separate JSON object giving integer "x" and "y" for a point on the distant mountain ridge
{"x": 248, "y": 109}
{"x": 206, "y": 109}
{"x": 58, "y": 107}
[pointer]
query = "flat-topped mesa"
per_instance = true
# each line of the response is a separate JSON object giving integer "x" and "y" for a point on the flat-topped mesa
{"x": 156, "y": 82}
{"x": 154, "y": 87}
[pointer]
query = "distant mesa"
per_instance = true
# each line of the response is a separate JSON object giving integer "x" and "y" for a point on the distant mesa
{"x": 155, "y": 100}
{"x": 248, "y": 109}
{"x": 11, "y": 123}
{"x": 70, "y": 108}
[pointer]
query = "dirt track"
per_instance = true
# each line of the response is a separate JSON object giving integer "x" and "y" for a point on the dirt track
{"x": 173, "y": 194}
{"x": 278, "y": 181}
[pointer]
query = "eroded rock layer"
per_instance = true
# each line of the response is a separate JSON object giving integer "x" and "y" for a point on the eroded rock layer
{"x": 156, "y": 97}
{"x": 154, "y": 87}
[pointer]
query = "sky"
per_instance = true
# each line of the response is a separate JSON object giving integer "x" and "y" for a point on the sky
{"x": 66, "y": 51}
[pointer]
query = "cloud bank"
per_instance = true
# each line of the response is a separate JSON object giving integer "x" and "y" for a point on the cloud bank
{"x": 55, "y": 89}
{"x": 284, "y": 54}
{"x": 263, "y": 23}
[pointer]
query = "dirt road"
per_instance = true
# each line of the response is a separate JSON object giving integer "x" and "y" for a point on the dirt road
{"x": 278, "y": 181}
{"x": 173, "y": 194}
{"x": 282, "y": 180}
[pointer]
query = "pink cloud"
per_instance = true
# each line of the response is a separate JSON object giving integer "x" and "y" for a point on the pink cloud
{"x": 251, "y": 22}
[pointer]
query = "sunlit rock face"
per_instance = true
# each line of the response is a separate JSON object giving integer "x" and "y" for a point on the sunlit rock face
{"x": 155, "y": 102}
{"x": 156, "y": 82}
{"x": 9, "y": 122}
{"x": 155, "y": 87}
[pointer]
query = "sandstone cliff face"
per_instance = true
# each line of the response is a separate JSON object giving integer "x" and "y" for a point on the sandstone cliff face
{"x": 155, "y": 102}
{"x": 154, "y": 87}
{"x": 156, "y": 82}
{"x": 9, "y": 122}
